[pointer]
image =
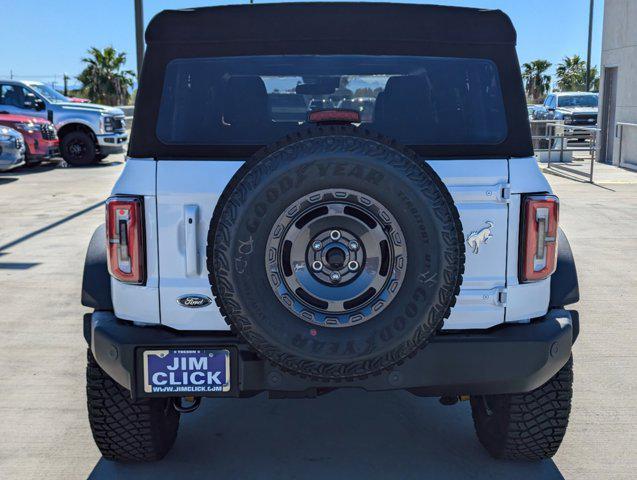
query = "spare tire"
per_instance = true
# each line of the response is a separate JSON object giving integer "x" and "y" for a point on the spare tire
{"x": 335, "y": 253}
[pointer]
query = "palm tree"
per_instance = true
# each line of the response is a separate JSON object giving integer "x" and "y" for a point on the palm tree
{"x": 103, "y": 77}
{"x": 537, "y": 82}
{"x": 571, "y": 74}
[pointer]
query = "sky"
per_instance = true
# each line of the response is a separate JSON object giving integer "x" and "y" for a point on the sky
{"x": 42, "y": 40}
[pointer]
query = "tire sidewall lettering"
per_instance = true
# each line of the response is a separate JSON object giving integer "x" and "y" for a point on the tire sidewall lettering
{"x": 269, "y": 187}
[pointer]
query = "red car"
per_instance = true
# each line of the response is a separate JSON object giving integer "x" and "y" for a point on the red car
{"x": 39, "y": 134}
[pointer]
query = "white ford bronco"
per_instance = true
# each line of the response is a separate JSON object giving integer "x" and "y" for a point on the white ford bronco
{"x": 386, "y": 228}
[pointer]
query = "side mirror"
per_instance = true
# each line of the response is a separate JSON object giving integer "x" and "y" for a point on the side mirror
{"x": 39, "y": 105}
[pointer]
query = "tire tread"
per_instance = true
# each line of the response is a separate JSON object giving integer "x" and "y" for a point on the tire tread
{"x": 223, "y": 297}
{"x": 125, "y": 430}
{"x": 534, "y": 423}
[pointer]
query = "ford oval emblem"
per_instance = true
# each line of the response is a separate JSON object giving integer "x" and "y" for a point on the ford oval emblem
{"x": 194, "y": 301}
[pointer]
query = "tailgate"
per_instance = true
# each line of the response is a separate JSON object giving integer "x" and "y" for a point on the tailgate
{"x": 480, "y": 191}
{"x": 187, "y": 192}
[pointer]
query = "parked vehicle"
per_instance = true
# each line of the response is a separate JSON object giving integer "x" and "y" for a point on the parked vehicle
{"x": 576, "y": 109}
{"x": 88, "y": 132}
{"x": 320, "y": 104}
{"x": 533, "y": 111}
{"x": 39, "y": 134}
{"x": 363, "y": 105}
{"x": 287, "y": 107}
{"x": 11, "y": 149}
{"x": 417, "y": 252}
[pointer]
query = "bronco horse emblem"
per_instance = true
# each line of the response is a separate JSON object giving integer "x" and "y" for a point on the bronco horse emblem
{"x": 475, "y": 239}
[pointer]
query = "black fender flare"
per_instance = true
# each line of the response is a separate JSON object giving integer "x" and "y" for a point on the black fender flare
{"x": 564, "y": 283}
{"x": 96, "y": 281}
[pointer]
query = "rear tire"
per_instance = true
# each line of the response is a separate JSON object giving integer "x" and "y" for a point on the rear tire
{"x": 525, "y": 426}
{"x": 125, "y": 430}
{"x": 78, "y": 149}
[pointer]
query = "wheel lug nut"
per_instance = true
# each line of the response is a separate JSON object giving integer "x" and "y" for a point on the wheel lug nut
{"x": 335, "y": 234}
{"x": 353, "y": 266}
{"x": 317, "y": 245}
{"x": 353, "y": 245}
{"x": 317, "y": 266}
{"x": 335, "y": 277}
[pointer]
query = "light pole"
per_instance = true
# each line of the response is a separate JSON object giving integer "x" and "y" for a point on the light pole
{"x": 139, "y": 34}
{"x": 590, "y": 40}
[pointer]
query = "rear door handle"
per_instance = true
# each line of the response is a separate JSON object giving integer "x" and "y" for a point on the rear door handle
{"x": 191, "y": 219}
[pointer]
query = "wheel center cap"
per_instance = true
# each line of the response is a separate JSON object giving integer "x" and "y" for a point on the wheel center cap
{"x": 335, "y": 257}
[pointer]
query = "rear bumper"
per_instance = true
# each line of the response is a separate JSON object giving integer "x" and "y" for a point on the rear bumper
{"x": 506, "y": 359}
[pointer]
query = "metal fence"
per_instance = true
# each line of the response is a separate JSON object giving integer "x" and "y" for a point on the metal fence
{"x": 556, "y": 143}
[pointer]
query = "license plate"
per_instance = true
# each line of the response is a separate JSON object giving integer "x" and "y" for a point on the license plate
{"x": 186, "y": 371}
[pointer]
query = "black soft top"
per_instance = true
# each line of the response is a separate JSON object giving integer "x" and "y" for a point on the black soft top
{"x": 321, "y": 21}
{"x": 323, "y": 28}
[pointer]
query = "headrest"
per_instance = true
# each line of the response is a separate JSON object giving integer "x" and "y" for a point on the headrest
{"x": 246, "y": 101}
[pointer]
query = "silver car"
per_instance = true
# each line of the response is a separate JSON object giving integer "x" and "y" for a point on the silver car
{"x": 11, "y": 149}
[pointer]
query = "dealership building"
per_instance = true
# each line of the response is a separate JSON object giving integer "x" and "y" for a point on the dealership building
{"x": 618, "y": 89}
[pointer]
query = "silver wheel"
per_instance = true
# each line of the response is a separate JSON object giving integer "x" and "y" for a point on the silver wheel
{"x": 336, "y": 258}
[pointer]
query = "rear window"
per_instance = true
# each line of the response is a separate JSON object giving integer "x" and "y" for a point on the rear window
{"x": 255, "y": 100}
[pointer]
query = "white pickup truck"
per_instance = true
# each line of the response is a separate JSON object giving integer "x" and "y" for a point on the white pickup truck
{"x": 414, "y": 249}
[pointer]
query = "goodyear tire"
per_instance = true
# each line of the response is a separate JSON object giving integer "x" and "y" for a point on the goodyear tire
{"x": 125, "y": 430}
{"x": 335, "y": 253}
{"x": 525, "y": 426}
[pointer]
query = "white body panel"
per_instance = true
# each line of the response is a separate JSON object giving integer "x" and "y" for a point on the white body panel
{"x": 135, "y": 302}
{"x": 187, "y": 192}
{"x": 477, "y": 193}
{"x": 182, "y": 185}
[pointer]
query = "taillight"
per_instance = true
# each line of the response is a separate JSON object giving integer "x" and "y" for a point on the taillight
{"x": 125, "y": 239}
{"x": 538, "y": 255}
